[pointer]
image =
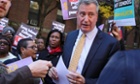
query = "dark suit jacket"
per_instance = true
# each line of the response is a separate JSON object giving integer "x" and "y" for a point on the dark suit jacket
{"x": 122, "y": 68}
{"x": 102, "y": 48}
{"x": 16, "y": 77}
{"x": 44, "y": 55}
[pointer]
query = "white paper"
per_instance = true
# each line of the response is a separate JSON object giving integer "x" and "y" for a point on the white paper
{"x": 62, "y": 71}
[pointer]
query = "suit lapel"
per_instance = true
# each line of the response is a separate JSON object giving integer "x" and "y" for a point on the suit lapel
{"x": 95, "y": 45}
{"x": 70, "y": 44}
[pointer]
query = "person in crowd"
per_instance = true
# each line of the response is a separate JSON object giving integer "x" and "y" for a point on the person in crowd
{"x": 40, "y": 44}
{"x": 122, "y": 68}
{"x": 5, "y": 48}
{"x": 32, "y": 70}
{"x": 26, "y": 47}
{"x": 53, "y": 50}
{"x": 96, "y": 51}
{"x": 6, "y": 4}
{"x": 9, "y": 32}
{"x": 117, "y": 33}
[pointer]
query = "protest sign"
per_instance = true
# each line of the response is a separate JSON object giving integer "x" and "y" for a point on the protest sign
{"x": 3, "y": 23}
{"x": 25, "y": 31}
{"x": 124, "y": 12}
{"x": 58, "y": 25}
{"x": 69, "y": 8}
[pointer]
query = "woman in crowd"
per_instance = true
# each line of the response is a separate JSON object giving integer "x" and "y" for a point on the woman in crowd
{"x": 9, "y": 32}
{"x": 40, "y": 44}
{"x": 5, "y": 48}
{"x": 53, "y": 50}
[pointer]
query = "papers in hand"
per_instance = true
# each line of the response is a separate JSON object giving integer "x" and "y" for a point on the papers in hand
{"x": 62, "y": 72}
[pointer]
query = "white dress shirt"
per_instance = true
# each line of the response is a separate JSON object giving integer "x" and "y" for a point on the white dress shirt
{"x": 89, "y": 40}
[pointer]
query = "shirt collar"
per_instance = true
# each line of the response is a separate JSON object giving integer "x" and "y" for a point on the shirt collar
{"x": 90, "y": 34}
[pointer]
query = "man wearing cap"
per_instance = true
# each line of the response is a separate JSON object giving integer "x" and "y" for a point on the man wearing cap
{"x": 8, "y": 32}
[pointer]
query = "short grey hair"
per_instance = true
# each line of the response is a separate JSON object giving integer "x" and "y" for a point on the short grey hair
{"x": 87, "y": 2}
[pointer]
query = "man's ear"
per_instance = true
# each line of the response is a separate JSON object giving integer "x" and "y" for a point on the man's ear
{"x": 22, "y": 49}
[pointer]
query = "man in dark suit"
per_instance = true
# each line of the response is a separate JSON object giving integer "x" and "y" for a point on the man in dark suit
{"x": 98, "y": 46}
{"x": 122, "y": 68}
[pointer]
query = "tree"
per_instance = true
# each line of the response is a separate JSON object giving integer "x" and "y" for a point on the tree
{"x": 47, "y": 7}
{"x": 106, "y": 10}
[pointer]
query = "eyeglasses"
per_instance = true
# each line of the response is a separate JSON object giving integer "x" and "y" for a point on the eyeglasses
{"x": 5, "y": 43}
{"x": 33, "y": 47}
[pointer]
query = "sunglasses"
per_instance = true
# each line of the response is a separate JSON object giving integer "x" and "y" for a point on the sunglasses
{"x": 4, "y": 43}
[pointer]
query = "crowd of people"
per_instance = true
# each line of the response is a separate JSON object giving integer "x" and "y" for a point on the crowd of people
{"x": 102, "y": 58}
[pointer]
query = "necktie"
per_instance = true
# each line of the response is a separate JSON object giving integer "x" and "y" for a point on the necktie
{"x": 77, "y": 53}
